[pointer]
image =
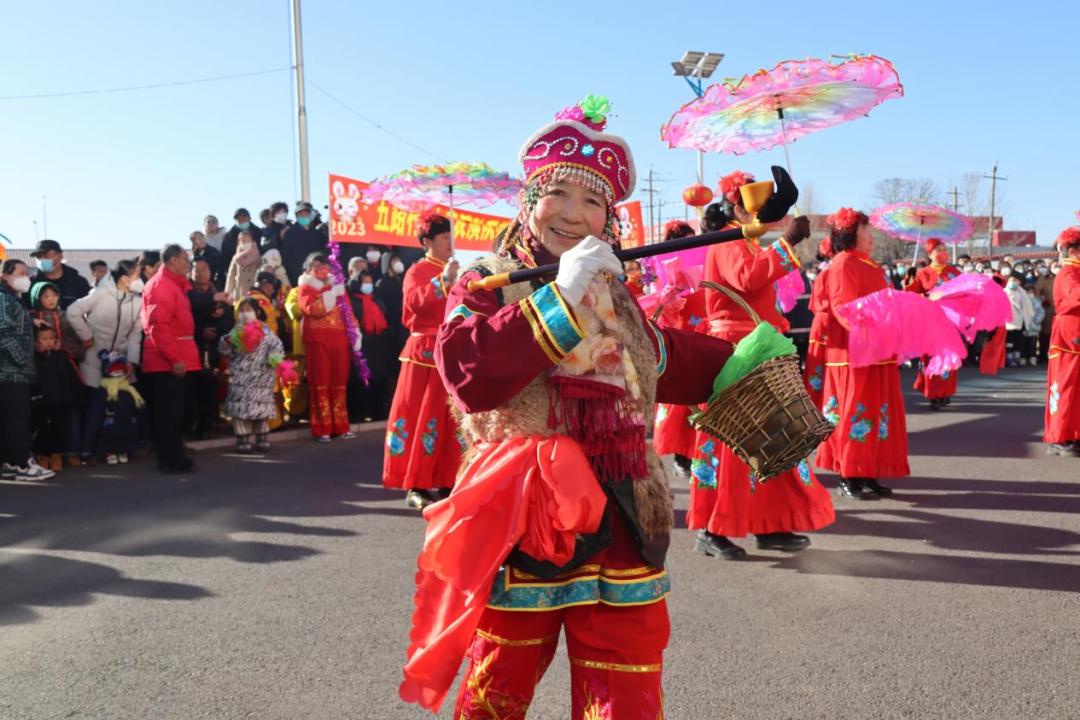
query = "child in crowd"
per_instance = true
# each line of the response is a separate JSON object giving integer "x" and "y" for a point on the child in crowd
{"x": 112, "y": 412}
{"x": 55, "y": 398}
{"x": 244, "y": 266}
{"x": 45, "y": 301}
{"x": 253, "y": 351}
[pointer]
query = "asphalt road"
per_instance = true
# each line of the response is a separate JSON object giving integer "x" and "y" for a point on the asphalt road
{"x": 281, "y": 588}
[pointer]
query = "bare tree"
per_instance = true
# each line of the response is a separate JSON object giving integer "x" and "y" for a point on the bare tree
{"x": 924, "y": 191}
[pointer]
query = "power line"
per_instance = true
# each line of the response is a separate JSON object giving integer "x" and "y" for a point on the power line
{"x": 374, "y": 124}
{"x": 131, "y": 88}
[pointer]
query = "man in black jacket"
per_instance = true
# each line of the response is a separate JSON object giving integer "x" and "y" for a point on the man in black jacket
{"x": 49, "y": 258}
{"x": 301, "y": 240}
{"x": 228, "y": 245}
{"x": 213, "y": 319}
{"x": 202, "y": 250}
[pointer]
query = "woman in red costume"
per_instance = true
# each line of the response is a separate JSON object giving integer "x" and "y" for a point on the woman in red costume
{"x": 672, "y": 433}
{"x": 328, "y": 353}
{"x": 561, "y": 516}
{"x": 423, "y": 446}
{"x": 1063, "y": 371}
{"x": 814, "y": 372}
{"x": 725, "y": 500}
{"x": 866, "y": 404}
{"x": 938, "y": 389}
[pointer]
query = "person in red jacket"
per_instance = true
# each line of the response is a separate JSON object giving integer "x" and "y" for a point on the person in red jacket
{"x": 169, "y": 353}
{"x": 866, "y": 404}
{"x": 725, "y": 499}
{"x": 1063, "y": 373}
{"x": 938, "y": 389}
{"x": 423, "y": 446}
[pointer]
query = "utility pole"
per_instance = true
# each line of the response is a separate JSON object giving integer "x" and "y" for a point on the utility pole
{"x": 993, "y": 177}
{"x": 298, "y": 47}
{"x": 652, "y": 226}
{"x": 955, "y": 198}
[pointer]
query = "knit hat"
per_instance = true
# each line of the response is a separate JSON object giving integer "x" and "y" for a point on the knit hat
{"x": 37, "y": 289}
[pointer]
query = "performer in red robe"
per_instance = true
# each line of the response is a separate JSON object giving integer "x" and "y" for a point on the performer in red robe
{"x": 866, "y": 404}
{"x": 725, "y": 501}
{"x": 1063, "y": 372}
{"x": 561, "y": 517}
{"x": 814, "y": 370}
{"x": 423, "y": 445}
{"x": 329, "y": 357}
{"x": 938, "y": 389}
{"x": 672, "y": 433}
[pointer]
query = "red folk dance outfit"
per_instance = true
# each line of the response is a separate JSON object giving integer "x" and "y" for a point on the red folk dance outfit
{"x": 1063, "y": 372}
{"x": 561, "y": 517}
{"x": 814, "y": 371}
{"x": 328, "y": 357}
{"x": 724, "y": 498}
{"x": 934, "y": 387}
{"x": 866, "y": 404}
{"x": 423, "y": 446}
{"x": 672, "y": 433}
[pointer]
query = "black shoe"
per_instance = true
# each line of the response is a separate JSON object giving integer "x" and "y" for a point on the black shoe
{"x": 1063, "y": 449}
{"x": 782, "y": 541}
{"x": 418, "y": 499}
{"x": 441, "y": 493}
{"x": 853, "y": 488}
{"x": 936, "y": 404}
{"x": 877, "y": 488}
{"x": 683, "y": 464}
{"x": 946, "y": 401}
{"x": 262, "y": 442}
{"x": 718, "y": 546}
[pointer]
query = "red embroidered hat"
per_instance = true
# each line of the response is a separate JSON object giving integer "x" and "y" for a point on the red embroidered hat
{"x": 932, "y": 244}
{"x": 575, "y": 142}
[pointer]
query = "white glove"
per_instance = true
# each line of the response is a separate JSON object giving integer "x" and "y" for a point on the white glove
{"x": 580, "y": 264}
{"x": 335, "y": 292}
{"x": 359, "y": 343}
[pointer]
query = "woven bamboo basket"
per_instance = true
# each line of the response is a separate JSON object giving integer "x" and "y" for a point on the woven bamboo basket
{"x": 766, "y": 418}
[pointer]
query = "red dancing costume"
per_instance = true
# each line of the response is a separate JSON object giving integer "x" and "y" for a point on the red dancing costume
{"x": 561, "y": 517}
{"x": 672, "y": 432}
{"x": 814, "y": 372}
{"x": 328, "y": 357}
{"x": 724, "y": 499}
{"x": 1063, "y": 373}
{"x": 935, "y": 388}
{"x": 866, "y": 404}
{"x": 423, "y": 446}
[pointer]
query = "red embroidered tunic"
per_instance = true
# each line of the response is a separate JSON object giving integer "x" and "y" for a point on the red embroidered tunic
{"x": 1063, "y": 372}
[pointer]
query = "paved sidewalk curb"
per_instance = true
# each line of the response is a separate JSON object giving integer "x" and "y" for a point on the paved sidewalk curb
{"x": 284, "y": 436}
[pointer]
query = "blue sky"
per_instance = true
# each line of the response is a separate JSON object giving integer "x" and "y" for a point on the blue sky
{"x": 470, "y": 81}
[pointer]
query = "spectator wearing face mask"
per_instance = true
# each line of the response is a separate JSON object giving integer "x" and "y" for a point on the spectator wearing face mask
{"x": 1044, "y": 291}
{"x": 232, "y": 238}
{"x": 98, "y": 270}
{"x": 213, "y": 320}
{"x": 389, "y": 292}
{"x": 250, "y": 402}
{"x": 373, "y": 255}
{"x": 149, "y": 263}
{"x": 1031, "y": 332}
{"x": 367, "y": 403}
{"x": 215, "y": 234}
{"x": 244, "y": 266}
{"x": 17, "y": 372}
{"x": 276, "y": 226}
{"x": 300, "y": 241}
{"x": 202, "y": 250}
{"x": 108, "y": 319}
{"x": 1023, "y": 319}
{"x": 49, "y": 258}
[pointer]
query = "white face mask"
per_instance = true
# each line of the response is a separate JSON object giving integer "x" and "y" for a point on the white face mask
{"x": 367, "y": 288}
{"x": 281, "y": 217}
{"x": 247, "y": 317}
{"x": 20, "y": 284}
{"x": 1006, "y": 272}
{"x": 373, "y": 256}
{"x": 398, "y": 266}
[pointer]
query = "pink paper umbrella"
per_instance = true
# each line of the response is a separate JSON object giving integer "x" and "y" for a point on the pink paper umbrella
{"x": 912, "y": 222}
{"x": 778, "y": 106}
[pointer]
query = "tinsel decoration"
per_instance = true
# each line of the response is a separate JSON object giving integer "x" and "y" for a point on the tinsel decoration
{"x": 347, "y": 315}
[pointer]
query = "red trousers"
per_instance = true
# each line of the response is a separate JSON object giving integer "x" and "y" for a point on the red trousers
{"x": 327, "y": 376}
{"x": 616, "y": 659}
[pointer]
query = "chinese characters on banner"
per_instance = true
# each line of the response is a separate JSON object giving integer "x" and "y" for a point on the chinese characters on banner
{"x": 351, "y": 221}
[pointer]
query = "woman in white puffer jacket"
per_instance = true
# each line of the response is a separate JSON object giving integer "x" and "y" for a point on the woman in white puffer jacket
{"x": 108, "y": 319}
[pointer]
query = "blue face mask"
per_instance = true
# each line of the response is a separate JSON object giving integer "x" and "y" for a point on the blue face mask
{"x": 367, "y": 288}
{"x": 243, "y": 226}
{"x": 304, "y": 221}
{"x": 45, "y": 265}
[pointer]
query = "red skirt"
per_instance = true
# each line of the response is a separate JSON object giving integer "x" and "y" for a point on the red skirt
{"x": 423, "y": 445}
{"x": 1062, "y": 398}
{"x": 814, "y": 372}
{"x": 672, "y": 432}
{"x": 867, "y": 407}
{"x": 724, "y": 501}
{"x": 936, "y": 387}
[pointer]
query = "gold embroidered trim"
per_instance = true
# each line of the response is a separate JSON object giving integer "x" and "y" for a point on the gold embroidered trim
{"x": 597, "y": 665}
{"x": 506, "y": 642}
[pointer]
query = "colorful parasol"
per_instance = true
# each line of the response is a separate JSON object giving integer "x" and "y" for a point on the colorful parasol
{"x": 778, "y": 106}
{"x": 912, "y": 222}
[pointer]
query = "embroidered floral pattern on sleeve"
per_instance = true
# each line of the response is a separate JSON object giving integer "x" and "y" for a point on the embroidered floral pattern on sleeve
{"x": 860, "y": 426}
{"x": 396, "y": 436}
{"x": 830, "y": 410}
{"x": 703, "y": 469}
{"x": 883, "y": 423}
{"x": 1055, "y": 398}
{"x": 431, "y": 437}
{"x": 817, "y": 380}
{"x": 787, "y": 258}
{"x": 439, "y": 291}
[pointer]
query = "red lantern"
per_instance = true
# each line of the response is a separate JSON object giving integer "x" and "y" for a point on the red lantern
{"x": 697, "y": 196}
